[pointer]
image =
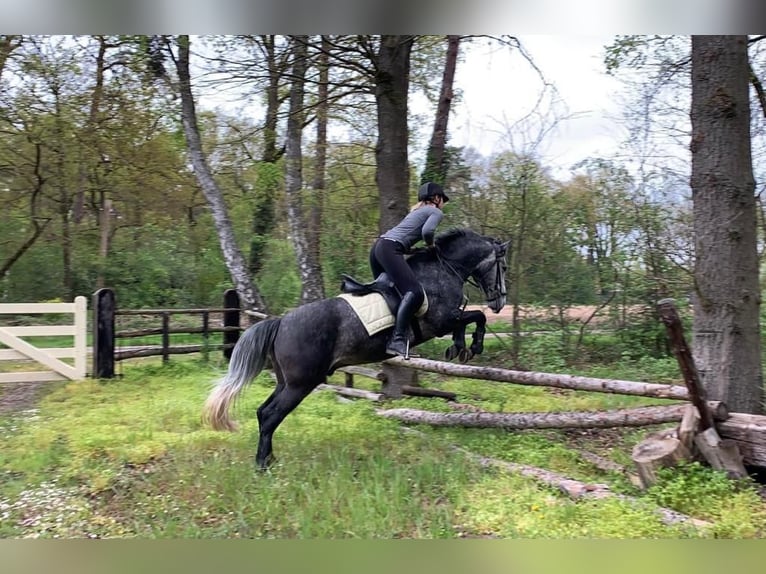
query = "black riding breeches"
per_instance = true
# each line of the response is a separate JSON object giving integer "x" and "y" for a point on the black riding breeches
{"x": 387, "y": 255}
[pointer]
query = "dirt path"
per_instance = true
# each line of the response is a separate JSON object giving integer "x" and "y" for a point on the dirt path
{"x": 15, "y": 397}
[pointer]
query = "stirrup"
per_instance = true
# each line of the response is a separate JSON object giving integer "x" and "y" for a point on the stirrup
{"x": 395, "y": 353}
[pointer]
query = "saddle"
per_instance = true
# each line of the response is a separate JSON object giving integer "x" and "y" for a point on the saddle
{"x": 382, "y": 285}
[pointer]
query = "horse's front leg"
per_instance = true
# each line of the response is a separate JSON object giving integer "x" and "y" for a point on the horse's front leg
{"x": 458, "y": 343}
{"x": 477, "y": 344}
{"x": 458, "y": 348}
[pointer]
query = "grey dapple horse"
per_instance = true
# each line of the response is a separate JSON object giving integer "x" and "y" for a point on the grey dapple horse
{"x": 310, "y": 342}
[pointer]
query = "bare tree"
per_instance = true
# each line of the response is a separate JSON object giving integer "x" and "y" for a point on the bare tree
{"x": 727, "y": 295}
{"x": 235, "y": 261}
{"x": 308, "y": 266}
{"x": 436, "y": 161}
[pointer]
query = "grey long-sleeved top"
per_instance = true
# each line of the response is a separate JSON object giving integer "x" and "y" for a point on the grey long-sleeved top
{"x": 417, "y": 225}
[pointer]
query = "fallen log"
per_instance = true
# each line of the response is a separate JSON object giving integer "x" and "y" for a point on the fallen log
{"x": 640, "y": 416}
{"x": 669, "y": 316}
{"x": 363, "y": 372}
{"x": 572, "y": 382}
{"x": 351, "y": 392}
{"x": 430, "y": 393}
{"x": 749, "y": 432}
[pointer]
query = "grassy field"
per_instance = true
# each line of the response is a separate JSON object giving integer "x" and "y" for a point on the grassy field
{"x": 130, "y": 458}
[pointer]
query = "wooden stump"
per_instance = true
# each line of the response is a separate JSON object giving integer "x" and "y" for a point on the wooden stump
{"x": 654, "y": 453}
{"x": 396, "y": 377}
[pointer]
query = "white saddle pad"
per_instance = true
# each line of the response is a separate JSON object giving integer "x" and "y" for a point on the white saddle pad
{"x": 373, "y": 311}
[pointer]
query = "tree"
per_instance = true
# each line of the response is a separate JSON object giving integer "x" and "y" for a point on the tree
{"x": 727, "y": 294}
{"x": 391, "y": 92}
{"x": 308, "y": 265}
{"x": 436, "y": 167}
{"x": 235, "y": 261}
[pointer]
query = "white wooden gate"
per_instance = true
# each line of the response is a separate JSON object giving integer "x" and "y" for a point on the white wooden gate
{"x": 19, "y": 349}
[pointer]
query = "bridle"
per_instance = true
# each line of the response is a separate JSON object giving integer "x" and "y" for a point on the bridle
{"x": 498, "y": 265}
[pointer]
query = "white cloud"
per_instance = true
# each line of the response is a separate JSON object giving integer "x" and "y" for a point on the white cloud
{"x": 500, "y": 88}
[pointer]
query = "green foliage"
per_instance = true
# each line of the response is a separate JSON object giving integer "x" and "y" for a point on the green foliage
{"x": 278, "y": 281}
{"x": 708, "y": 494}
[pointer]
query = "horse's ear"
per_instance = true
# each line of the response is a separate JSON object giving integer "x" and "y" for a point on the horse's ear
{"x": 506, "y": 246}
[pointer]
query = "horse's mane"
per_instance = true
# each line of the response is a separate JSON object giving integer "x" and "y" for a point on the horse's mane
{"x": 445, "y": 238}
{"x": 443, "y": 241}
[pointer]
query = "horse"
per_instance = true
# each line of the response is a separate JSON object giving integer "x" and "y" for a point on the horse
{"x": 311, "y": 341}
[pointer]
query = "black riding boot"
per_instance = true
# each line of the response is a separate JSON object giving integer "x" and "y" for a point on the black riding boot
{"x": 398, "y": 345}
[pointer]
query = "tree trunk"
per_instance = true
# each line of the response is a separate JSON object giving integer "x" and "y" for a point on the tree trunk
{"x": 8, "y": 43}
{"x": 392, "y": 173}
{"x": 391, "y": 92}
{"x": 269, "y": 177}
{"x": 727, "y": 294}
{"x": 320, "y": 160}
{"x": 436, "y": 159}
{"x": 311, "y": 274}
{"x": 235, "y": 261}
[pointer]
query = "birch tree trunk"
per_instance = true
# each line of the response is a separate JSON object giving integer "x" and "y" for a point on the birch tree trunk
{"x": 320, "y": 156}
{"x": 311, "y": 275}
{"x": 727, "y": 295}
{"x": 235, "y": 261}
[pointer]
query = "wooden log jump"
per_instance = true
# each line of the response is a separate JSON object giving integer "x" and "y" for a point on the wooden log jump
{"x": 408, "y": 390}
{"x": 572, "y": 382}
{"x": 632, "y": 417}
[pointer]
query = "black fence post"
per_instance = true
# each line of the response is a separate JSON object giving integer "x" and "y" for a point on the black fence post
{"x": 165, "y": 337}
{"x": 230, "y": 319}
{"x": 206, "y": 335}
{"x": 104, "y": 306}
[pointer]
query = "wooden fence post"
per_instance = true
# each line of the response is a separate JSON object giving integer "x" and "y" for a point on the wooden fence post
{"x": 104, "y": 306}
{"x": 206, "y": 334}
{"x": 230, "y": 319}
{"x": 165, "y": 337}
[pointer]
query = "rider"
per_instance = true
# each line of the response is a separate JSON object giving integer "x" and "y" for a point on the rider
{"x": 387, "y": 254}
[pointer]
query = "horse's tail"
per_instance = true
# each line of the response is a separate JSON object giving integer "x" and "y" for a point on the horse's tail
{"x": 247, "y": 360}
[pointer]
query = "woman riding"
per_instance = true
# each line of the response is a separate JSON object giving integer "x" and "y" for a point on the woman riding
{"x": 387, "y": 254}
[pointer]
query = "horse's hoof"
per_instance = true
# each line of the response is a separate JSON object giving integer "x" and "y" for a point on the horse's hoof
{"x": 451, "y": 352}
{"x": 465, "y": 355}
{"x": 263, "y": 465}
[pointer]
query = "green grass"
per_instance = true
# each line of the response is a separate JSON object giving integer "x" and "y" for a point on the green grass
{"x": 130, "y": 458}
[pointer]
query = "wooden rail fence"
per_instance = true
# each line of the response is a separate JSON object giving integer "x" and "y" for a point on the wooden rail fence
{"x": 105, "y": 335}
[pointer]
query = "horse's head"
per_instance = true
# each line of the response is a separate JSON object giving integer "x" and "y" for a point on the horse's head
{"x": 490, "y": 275}
{"x": 482, "y": 258}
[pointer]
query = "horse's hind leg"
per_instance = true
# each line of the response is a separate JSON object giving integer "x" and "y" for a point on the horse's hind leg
{"x": 273, "y": 411}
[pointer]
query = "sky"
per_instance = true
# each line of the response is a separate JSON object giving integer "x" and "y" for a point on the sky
{"x": 499, "y": 88}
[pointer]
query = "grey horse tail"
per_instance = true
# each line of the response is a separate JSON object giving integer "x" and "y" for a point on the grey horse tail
{"x": 247, "y": 360}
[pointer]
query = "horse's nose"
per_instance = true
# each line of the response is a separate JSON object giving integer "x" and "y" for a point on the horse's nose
{"x": 496, "y": 304}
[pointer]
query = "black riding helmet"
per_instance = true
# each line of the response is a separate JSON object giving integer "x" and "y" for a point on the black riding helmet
{"x": 429, "y": 190}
